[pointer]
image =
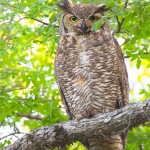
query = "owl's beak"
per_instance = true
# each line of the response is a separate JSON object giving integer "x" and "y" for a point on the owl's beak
{"x": 84, "y": 26}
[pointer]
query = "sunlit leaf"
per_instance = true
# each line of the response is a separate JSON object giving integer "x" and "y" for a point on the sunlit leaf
{"x": 138, "y": 63}
{"x": 98, "y": 24}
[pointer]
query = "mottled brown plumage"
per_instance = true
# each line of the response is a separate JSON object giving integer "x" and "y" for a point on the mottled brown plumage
{"x": 90, "y": 69}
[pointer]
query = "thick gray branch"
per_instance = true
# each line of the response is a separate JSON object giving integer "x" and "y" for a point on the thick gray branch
{"x": 101, "y": 125}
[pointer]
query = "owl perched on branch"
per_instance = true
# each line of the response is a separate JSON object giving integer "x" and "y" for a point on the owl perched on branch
{"x": 90, "y": 69}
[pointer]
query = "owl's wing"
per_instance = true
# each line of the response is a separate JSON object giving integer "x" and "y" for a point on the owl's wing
{"x": 62, "y": 93}
{"x": 123, "y": 76}
{"x": 65, "y": 103}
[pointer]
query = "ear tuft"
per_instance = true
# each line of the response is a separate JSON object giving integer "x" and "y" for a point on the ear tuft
{"x": 65, "y": 5}
{"x": 102, "y": 8}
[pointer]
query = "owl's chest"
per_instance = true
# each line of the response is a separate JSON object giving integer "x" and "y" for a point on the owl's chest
{"x": 87, "y": 68}
{"x": 92, "y": 52}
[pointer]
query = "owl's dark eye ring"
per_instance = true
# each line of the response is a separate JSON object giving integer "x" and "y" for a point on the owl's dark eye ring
{"x": 93, "y": 18}
{"x": 73, "y": 19}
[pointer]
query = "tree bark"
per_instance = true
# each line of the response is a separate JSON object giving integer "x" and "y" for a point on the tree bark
{"x": 104, "y": 124}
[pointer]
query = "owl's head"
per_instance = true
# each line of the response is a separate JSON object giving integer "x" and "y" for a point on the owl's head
{"x": 78, "y": 18}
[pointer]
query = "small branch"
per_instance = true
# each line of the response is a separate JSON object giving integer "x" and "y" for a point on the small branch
{"x": 18, "y": 3}
{"x": 126, "y": 41}
{"x": 148, "y": 125}
{"x": 14, "y": 8}
{"x": 12, "y": 134}
{"x": 137, "y": 3}
{"x": 30, "y": 116}
{"x": 138, "y": 140}
{"x": 40, "y": 21}
{"x": 44, "y": 23}
{"x": 1, "y": 123}
{"x": 13, "y": 89}
{"x": 102, "y": 125}
{"x": 146, "y": 53}
{"x": 140, "y": 147}
{"x": 126, "y": 3}
{"x": 120, "y": 23}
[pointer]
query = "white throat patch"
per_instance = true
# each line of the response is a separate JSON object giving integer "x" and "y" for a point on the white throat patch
{"x": 83, "y": 59}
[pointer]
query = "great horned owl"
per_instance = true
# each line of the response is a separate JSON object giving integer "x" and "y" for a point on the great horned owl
{"x": 90, "y": 68}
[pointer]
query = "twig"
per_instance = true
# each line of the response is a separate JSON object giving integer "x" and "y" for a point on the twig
{"x": 120, "y": 23}
{"x": 146, "y": 53}
{"x": 39, "y": 21}
{"x": 18, "y": 3}
{"x": 138, "y": 140}
{"x": 11, "y": 134}
{"x": 30, "y": 116}
{"x": 140, "y": 146}
{"x": 44, "y": 23}
{"x": 126, "y": 41}
{"x": 126, "y": 3}
{"x": 13, "y": 89}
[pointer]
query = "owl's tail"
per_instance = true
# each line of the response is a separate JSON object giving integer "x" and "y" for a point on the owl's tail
{"x": 115, "y": 142}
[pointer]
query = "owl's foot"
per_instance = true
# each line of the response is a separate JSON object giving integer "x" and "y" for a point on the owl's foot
{"x": 89, "y": 113}
{"x": 79, "y": 117}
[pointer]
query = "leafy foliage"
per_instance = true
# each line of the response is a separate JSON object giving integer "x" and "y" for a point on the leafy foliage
{"x": 28, "y": 41}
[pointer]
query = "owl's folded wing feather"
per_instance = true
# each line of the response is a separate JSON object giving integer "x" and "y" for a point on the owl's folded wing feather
{"x": 65, "y": 104}
{"x": 123, "y": 75}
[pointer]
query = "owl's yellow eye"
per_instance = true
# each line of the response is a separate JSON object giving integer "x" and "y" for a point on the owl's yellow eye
{"x": 73, "y": 19}
{"x": 93, "y": 18}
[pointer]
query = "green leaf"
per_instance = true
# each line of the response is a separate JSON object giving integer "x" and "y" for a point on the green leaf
{"x": 134, "y": 56}
{"x": 142, "y": 128}
{"x": 138, "y": 63}
{"x": 145, "y": 56}
{"x": 98, "y": 24}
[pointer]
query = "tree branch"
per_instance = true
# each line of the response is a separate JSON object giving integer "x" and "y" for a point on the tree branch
{"x": 104, "y": 124}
